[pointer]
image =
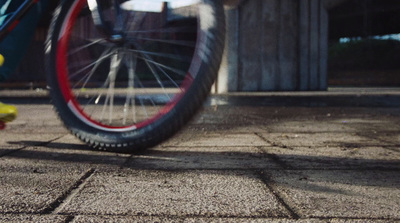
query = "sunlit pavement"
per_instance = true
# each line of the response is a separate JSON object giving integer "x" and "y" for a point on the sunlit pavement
{"x": 262, "y": 157}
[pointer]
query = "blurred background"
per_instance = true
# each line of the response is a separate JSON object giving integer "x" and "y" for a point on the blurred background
{"x": 279, "y": 45}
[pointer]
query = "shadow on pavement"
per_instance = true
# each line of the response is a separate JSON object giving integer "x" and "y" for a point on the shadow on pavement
{"x": 226, "y": 162}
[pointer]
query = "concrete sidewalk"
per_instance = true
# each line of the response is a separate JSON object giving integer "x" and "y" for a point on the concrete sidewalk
{"x": 273, "y": 157}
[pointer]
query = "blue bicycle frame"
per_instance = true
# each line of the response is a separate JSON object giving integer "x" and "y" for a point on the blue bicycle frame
{"x": 14, "y": 19}
{"x": 112, "y": 31}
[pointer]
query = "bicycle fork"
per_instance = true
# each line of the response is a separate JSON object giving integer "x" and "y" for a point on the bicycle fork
{"x": 112, "y": 30}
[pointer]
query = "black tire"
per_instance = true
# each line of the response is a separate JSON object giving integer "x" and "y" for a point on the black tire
{"x": 159, "y": 76}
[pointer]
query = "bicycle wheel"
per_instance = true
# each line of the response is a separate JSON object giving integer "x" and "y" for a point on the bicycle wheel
{"x": 133, "y": 93}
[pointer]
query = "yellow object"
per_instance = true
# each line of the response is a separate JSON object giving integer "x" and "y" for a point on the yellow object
{"x": 1, "y": 60}
{"x": 7, "y": 112}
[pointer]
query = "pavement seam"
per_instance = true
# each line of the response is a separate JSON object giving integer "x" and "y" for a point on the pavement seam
{"x": 58, "y": 204}
{"x": 392, "y": 146}
{"x": 270, "y": 156}
{"x": 188, "y": 216}
{"x": 330, "y": 218}
{"x": 70, "y": 218}
{"x": 270, "y": 184}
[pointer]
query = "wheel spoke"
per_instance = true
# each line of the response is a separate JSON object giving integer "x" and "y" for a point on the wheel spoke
{"x": 93, "y": 64}
{"x": 172, "y": 42}
{"x": 123, "y": 83}
{"x": 106, "y": 54}
{"x": 115, "y": 65}
{"x": 119, "y": 86}
{"x": 159, "y": 65}
{"x": 164, "y": 55}
{"x": 130, "y": 61}
{"x": 91, "y": 43}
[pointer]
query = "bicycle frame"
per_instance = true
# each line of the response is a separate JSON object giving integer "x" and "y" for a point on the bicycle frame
{"x": 13, "y": 21}
{"x": 113, "y": 32}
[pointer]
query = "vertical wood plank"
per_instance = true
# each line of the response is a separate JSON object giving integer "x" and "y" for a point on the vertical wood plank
{"x": 314, "y": 45}
{"x": 324, "y": 38}
{"x": 282, "y": 45}
{"x": 288, "y": 44}
{"x": 227, "y": 80}
{"x": 249, "y": 46}
{"x": 233, "y": 42}
{"x": 269, "y": 45}
{"x": 304, "y": 44}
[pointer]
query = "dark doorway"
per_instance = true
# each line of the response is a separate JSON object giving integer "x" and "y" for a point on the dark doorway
{"x": 364, "y": 46}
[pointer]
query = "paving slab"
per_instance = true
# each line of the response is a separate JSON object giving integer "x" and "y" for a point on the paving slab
{"x": 392, "y": 137}
{"x": 31, "y": 186}
{"x": 261, "y": 160}
{"x": 216, "y": 140}
{"x": 232, "y": 115}
{"x": 36, "y": 118}
{"x": 123, "y": 219}
{"x": 209, "y": 219}
{"x": 352, "y": 131}
{"x": 36, "y": 177}
{"x": 307, "y": 126}
{"x": 283, "y": 220}
{"x": 68, "y": 149}
{"x": 336, "y": 158}
{"x": 320, "y": 139}
{"x": 205, "y": 158}
{"x": 378, "y": 129}
{"x": 68, "y": 152}
{"x": 198, "y": 129}
{"x": 29, "y": 218}
{"x": 15, "y": 141}
{"x": 341, "y": 194}
{"x": 35, "y": 113}
{"x": 166, "y": 193}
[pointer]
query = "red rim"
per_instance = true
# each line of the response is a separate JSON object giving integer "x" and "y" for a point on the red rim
{"x": 69, "y": 97}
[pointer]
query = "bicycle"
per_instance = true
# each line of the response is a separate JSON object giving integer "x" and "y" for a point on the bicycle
{"x": 125, "y": 75}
